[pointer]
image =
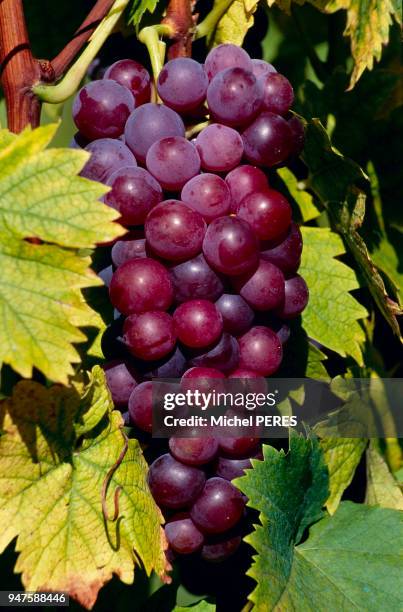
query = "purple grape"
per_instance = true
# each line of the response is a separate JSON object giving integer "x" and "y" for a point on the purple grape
{"x": 226, "y": 56}
{"x": 140, "y": 285}
{"x": 172, "y": 366}
{"x": 296, "y": 298}
{"x": 264, "y": 288}
{"x": 237, "y": 315}
{"x": 238, "y": 447}
{"x": 134, "y": 192}
{"x": 208, "y": 194}
{"x": 298, "y": 134}
{"x": 173, "y": 162}
{"x": 198, "y": 323}
{"x": 261, "y": 68}
{"x": 193, "y": 451}
{"x": 283, "y": 333}
{"x": 231, "y": 468}
{"x": 174, "y": 231}
{"x": 287, "y": 254}
{"x": 141, "y": 406}
{"x": 107, "y": 155}
{"x": 245, "y": 180}
{"x": 220, "y": 148}
{"x": 260, "y": 351}
{"x": 148, "y": 124}
{"x": 101, "y": 108}
{"x": 183, "y": 536}
{"x": 173, "y": 484}
{"x": 234, "y": 97}
{"x": 219, "y": 550}
{"x": 268, "y": 140}
{"x": 149, "y": 335}
{"x": 202, "y": 379}
{"x": 121, "y": 379}
{"x": 132, "y": 75}
{"x": 230, "y": 246}
{"x": 224, "y": 356}
{"x": 267, "y": 212}
{"x": 128, "y": 248}
{"x": 218, "y": 508}
{"x": 278, "y": 94}
{"x": 182, "y": 84}
{"x": 194, "y": 279}
{"x": 106, "y": 275}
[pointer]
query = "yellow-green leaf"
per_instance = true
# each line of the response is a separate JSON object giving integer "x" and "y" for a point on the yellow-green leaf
{"x": 382, "y": 488}
{"x": 41, "y": 303}
{"x": 303, "y": 198}
{"x": 332, "y": 315}
{"x": 235, "y": 23}
{"x": 55, "y": 452}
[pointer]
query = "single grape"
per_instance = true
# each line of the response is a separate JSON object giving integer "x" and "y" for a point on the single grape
{"x": 268, "y": 140}
{"x": 224, "y": 356}
{"x": 278, "y": 94}
{"x": 171, "y": 366}
{"x": 198, "y": 323}
{"x": 219, "y": 550}
{"x": 238, "y": 447}
{"x": 230, "y": 246}
{"x": 173, "y": 484}
{"x": 231, "y": 468}
{"x": 148, "y": 124}
{"x": 193, "y": 451}
{"x": 260, "y": 350}
{"x": 287, "y": 254}
{"x": 208, "y": 194}
{"x": 183, "y": 536}
{"x": 194, "y": 279}
{"x": 182, "y": 84}
{"x": 101, "y": 108}
{"x": 283, "y": 333}
{"x": 132, "y": 75}
{"x": 202, "y": 379}
{"x": 298, "y": 134}
{"x": 149, "y": 335}
{"x": 220, "y": 148}
{"x": 141, "y": 406}
{"x": 128, "y": 247}
{"x": 174, "y": 231}
{"x": 226, "y": 56}
{"x": 296, "y": 298}
{"x": 236, "y": 314}
{"x": 268, "y": 213}
{"x": 121, "y": 379}
{"x": 261, "y": 68}
{"x": 264, "y": 288}
{"x": 218, "y": 508}
{"x": 140, "y": 285}
{"x": 234, "y": 96}
{"x": 134, "y": 192}
{"x": 245, "y": 180}
{"x": 107, "y": 155}
{"x": 173, "y": 162}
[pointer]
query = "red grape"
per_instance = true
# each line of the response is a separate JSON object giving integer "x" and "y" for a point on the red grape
{"x": 198, "y": 323}
{"x": 245, "y": 180}
{"x": 218, "y": 508}
{"x": 208, "y": 194}
{"x": 226, "y": 56}
{"x": 107, "y": 155}
{"x": 220, "y": 148}
{"x": 194, "y": 279}
{"x": 278, "y": 94}
{"x": 173, "y": 161}
{"x": 141, "y": 406}
{"x": 234, "y": 96}
{"x": 182, "y": 84}
{"x": 149, "y": 335}
{"x": 230, "y": 246}
{"x": 183, "y": 535}
{"x": 262, "y": 289}
{"x": 268, "y": 212}
{"x": 193, "y": 451}
{"x": 287, "y": 254}
{"x": 296, "y": 298}
{"x": 260, "y": 350}
{"x": 173, "y": 484}
{"x": 121, "y": 379}
{"x": 224, "y": 356}
{"x": 268, "y": 140}
{"x": 132, "y": 75}
{"x": 134, "y": 193}
{"x": 237, "y": 315}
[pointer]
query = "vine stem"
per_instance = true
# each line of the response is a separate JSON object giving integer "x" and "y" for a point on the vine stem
{"x": 19, "y": 69}
{"x": 150, "y": 37}
{"x": 209, "y": 23}
{"x": 180, "y": 19}
{"x": 73, "y": 77}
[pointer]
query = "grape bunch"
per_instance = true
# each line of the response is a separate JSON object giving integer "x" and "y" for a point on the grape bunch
{"x": 205, "y": 279}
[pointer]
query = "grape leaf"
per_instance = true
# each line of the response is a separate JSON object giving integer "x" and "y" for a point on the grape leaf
{"x": 350, "y": 560}
{"x": 342, "y": 455}
{"x": 40, "y": 290}
{"x": 236, "y": 21}
{"x": 139, "y": 7}
{"x": 382, "y": 488}
{"x": 303, "y": 198}
{"x": 334, "y": 178}
{"x": 57, "y": 448}
{"x": 331, "y": 317}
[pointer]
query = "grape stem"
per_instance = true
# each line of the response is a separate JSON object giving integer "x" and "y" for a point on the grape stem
{"x": 209, "y": 23}
{"x": 180, "y": 19}
{"x": 73, "y": 77}
{"x": 150, "y": 37}
{"x": 196, "y": 129}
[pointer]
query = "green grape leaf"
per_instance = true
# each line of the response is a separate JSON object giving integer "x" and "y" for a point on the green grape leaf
{"x": 342, "y": 455}
{"x": 57, "y": 447}
{"x": 307, "y": 207}
{"x": 331, "y": 317}
{"x": 42, "y": 305}
{"x": 382, "y": 488}
{"x": 236, "y": 21}
{"x": 334, "y": 179}
{"x": 139, "y": 7}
